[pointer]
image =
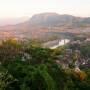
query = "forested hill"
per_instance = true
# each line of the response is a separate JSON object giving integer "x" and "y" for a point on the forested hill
{"x": 28, "y": 66}
{"x": 46, "y": 25}
{"x": 54, "y": 19}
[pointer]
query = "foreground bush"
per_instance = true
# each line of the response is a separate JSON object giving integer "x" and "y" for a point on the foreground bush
{"x": 39, "y": 72}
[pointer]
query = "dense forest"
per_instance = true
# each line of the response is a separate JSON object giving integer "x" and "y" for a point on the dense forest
{"x": 28, "y": 66}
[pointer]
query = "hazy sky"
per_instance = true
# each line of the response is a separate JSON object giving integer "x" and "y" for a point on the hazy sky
{"x": 20, "y": 8}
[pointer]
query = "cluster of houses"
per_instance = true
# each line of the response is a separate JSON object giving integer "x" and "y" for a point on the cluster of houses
{"x": 56, "y": 43}
{"x": 71, "y": 57}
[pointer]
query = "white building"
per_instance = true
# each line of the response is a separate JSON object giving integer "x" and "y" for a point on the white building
{"x": 60, "y": 43}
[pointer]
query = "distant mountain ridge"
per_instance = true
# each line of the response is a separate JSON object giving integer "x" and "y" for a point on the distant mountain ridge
{"x": 12, "y": 21}
{"x": 54, "y": 19}
{"x": 45, "y": 25}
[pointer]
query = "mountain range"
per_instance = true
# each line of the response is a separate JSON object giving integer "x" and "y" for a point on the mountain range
{"x": 12, "y": 21}
{"x": 40, "y": 24}
{"x": 54, "y": 19}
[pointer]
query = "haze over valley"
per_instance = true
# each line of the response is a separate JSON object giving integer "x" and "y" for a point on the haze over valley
{"x": 44, "y": 26}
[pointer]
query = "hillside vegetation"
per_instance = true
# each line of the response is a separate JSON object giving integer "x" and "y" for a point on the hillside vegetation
{"x": 28, "y": 66}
